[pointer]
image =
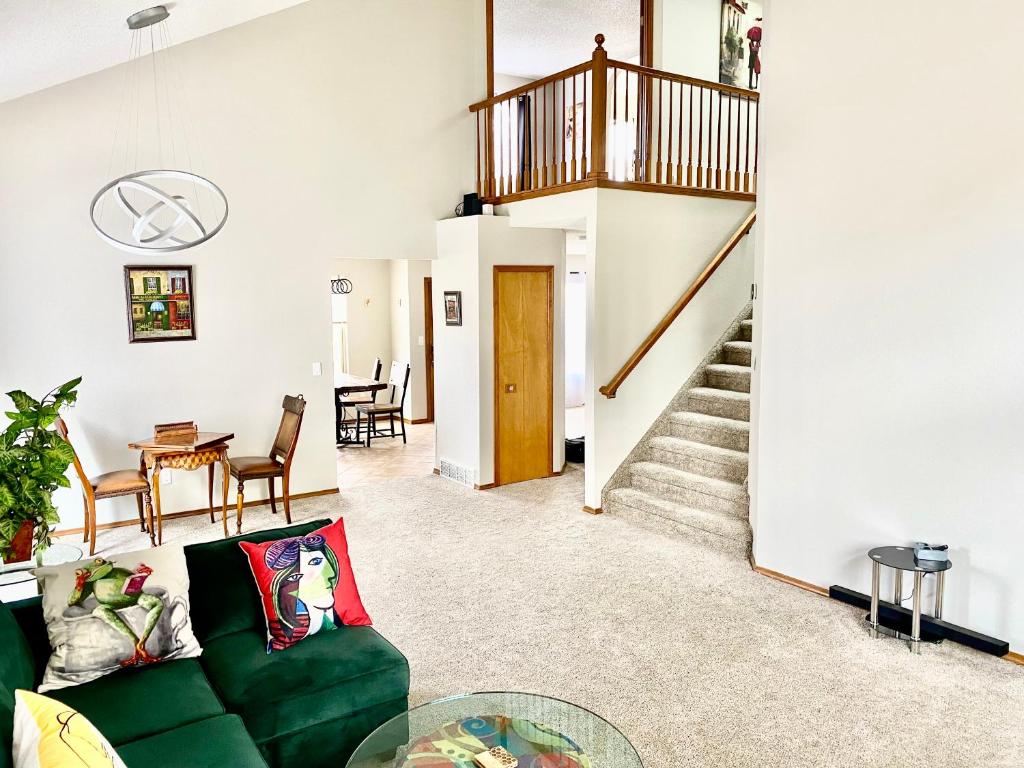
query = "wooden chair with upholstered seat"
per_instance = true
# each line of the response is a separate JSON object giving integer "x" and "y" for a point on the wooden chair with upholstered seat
{"x": 278, "y": 463}
{"x": 371, "y": 411}
{"x": 109, "y": 485}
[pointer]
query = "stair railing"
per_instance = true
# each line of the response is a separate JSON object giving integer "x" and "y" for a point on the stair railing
{"x": 617, "y": 125}
{"x": 609, "y": 389}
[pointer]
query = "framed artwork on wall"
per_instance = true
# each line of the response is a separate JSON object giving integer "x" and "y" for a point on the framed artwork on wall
{"x": 740, "y": 43}
{"x": 453, "y": 307}
{"x": 161, "y": 303}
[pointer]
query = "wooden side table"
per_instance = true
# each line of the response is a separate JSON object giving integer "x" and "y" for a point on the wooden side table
{"x": 206, "y": 449}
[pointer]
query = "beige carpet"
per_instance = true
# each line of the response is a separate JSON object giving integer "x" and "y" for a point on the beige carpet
{"x": 700, "y": 661}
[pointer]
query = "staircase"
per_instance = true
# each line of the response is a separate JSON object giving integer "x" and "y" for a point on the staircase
{"x": 690, "y": 480}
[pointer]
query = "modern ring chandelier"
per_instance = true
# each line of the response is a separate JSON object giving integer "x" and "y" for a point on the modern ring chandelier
{"x": 164, "y": 209}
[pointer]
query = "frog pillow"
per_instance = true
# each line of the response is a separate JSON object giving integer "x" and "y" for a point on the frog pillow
{"x": 106, "y": 614}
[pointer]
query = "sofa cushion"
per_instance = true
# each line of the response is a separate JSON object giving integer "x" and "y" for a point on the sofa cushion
{"x": 140, "y": 702}
{"x": 29, "y": 615}
{"x": 325, "y": 677}
{"x": 223, "y": 596}
{"x": 220, "y": 741}
{"x": 7, "y": 704}
{"x": 17, "y": 665}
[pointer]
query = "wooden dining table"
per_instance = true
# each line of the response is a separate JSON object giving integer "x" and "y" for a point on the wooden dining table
{"x": 346, "y": 385}
{"x": 188, "y": 452}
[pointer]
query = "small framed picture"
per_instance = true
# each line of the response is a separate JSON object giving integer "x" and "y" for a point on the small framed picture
{"x": 161, "y": 304}
{"x": 453, "y": 307}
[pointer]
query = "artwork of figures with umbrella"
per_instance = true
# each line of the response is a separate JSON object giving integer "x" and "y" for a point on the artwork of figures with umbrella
{"x": 740, "y": 45}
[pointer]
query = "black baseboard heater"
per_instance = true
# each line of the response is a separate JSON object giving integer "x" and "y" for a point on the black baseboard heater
{"x": 899, "y": 618}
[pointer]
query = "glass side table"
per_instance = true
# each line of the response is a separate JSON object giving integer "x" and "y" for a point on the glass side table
{"x": 14, "y": 574}
{"x": 902, "y": 559}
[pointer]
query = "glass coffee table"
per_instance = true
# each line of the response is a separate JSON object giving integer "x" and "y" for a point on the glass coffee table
{"x": 16, "y": 579}
{"x": 537, "y": 730}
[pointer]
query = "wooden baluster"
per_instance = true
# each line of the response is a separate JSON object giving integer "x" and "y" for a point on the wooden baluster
{"x": 479, "y": 181}
{"x": 614, "y": 120}
{"x": 757, "y": 138}
{"x": 669, "y": 177}
{"x": 565, "y": 133}
{"x": 599, "y": 111}
{"x": 575, "y": 130}
{"x": 718, "y": 146}
{"x": 679, "y": 150}
{"x": 746, "y": 147}
{"x": 500, "y": 170}
{"x": 533, "y": 142}
{"x": 626, "y": 160}
{"x": 689, "y": 146}
{"x": 728, "y": 144}
{"x": 584, "y": 136}
{"x": 639, "y": 161}
{"x": 661, "y": 93}
{"x": 649, "y": 171}
{"x": 701, "y": 177}
{"x": 511, "y": 166}
{"x": 543, "y": 137}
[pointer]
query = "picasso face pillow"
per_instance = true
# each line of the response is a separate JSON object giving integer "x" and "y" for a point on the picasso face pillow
{"x": 306, "y": 585}
{"x": 104, "y": 614}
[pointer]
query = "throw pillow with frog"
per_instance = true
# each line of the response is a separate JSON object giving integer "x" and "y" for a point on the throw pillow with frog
{"x": 104, "y": 614}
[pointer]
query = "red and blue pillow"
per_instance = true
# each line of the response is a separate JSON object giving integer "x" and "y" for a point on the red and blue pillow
{"x": 306, "y": 585}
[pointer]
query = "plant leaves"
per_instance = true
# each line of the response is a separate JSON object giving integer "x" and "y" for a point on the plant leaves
{"x": 22, "y": 401}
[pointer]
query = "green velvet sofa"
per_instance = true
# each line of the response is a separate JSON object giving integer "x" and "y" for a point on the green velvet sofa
{"x": 310, "y": 705}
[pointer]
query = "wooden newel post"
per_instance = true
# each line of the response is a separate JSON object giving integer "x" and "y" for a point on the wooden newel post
{"x": 599, "y": 112}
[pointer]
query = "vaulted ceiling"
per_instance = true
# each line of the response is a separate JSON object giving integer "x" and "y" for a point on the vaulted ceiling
{"x": 533, "y": 38}
{"x": 46, "y": 42}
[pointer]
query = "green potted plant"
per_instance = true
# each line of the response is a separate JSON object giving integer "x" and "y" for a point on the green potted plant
{"x": 33, "y": 460}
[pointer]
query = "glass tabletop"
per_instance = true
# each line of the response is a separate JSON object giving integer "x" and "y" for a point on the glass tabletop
{"x": 57, "y": 553}
{"x": 537, "y": 730}
{"x": 903, "y": 559}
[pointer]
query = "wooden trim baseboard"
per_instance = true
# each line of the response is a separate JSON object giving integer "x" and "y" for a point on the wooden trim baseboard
{"x": 1014, "y": 658}
{"x": 437, "y": 471}
{"x": 194, "y": 512}
{"x": 417, "y": 421}
{"x": 806, "y": 585}
{"x": 485, "y": 486}
{"x": 592, "y": 510}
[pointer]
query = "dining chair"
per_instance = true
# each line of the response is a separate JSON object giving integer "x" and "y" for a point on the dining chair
{"x": 398, "y": 379}
{"x": 278, "y": 463}
{"x": 353, "y": 400}
{"x": 109, "y": 485}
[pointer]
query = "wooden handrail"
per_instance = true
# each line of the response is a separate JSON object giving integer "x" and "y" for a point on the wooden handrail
{"x": 609, "y": 389}
{"x": 672, "y": 76}
{"x": 524, "y": 89}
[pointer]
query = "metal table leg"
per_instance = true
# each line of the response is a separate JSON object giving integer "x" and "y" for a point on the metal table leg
{"x": 940, "y": 585}
{"x": 876, "y": 571}
{"x": 915, "y": 627}
{"x": 897, "y": 586}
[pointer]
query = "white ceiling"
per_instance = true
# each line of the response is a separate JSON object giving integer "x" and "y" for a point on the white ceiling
{"x": 45, "y": 42}
{"x": 534, "y": 38}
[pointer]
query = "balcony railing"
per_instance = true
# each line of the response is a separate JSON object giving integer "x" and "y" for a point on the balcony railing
{"x": 614, "y": 124}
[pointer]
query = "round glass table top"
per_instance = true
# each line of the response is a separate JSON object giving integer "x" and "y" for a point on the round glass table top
{"x": 57, "y": 553}
{"x": 536, "y": 730}
{"x": 903, "y": 559}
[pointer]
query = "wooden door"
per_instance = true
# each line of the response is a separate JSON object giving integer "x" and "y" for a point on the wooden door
{"x": 428, "y": 348}
{"x": 523, "y": 365}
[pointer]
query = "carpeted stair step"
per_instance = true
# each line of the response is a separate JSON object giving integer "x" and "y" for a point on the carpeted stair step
{"x": 719, "y": 402}
{"x": 727, "y": 376}
{"x": 699, "y": 458}
{"x": 690, "y": 490}
{"x": 747, "y": 330}
{"x": 723, "y": 532}
{"x": 738, "y": 352}
{"x": 712, "y": 430}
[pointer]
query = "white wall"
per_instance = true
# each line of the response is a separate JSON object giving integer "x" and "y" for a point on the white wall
{"x": 325, "y": 150}
{"x": 687, "y": 36}
{"x": 468, "y": 250}
{"x": 643, "y": 251}
{"x": 369, "y": 319}
{"x": 407, "y": 329}
{"x": 890, "y": 373}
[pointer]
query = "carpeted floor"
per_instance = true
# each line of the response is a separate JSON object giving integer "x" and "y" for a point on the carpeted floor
{"x": 699, "y": 660}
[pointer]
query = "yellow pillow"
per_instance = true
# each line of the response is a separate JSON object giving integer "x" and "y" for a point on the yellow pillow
{"x": 49, "y": 734}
